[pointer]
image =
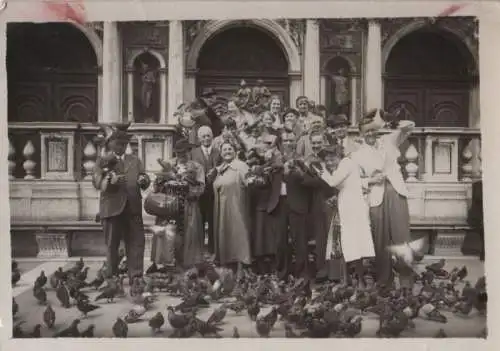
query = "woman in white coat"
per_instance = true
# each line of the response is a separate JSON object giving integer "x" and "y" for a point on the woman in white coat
{"x": 355, "y": 233}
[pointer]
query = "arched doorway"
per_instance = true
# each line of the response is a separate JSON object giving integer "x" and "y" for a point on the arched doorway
{"x": 52, "y": 74}
{"x": 428, "y": 78}
{"x": 244, "y": 52}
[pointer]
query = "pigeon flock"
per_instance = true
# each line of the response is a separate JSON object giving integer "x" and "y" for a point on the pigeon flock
{"x": 303, "y": 309}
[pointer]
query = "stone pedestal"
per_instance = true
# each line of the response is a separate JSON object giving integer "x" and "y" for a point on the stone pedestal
{"x": 52, "y": 245}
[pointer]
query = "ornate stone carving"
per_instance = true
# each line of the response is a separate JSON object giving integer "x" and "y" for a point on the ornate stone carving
{"x": 295, "y": 28}
{"x": 97, "y": 27}
{"x": 342, "y": 35}
{"x": 389, "y": 26}
{"x": 146, "y": 34}
{"x": 191, "y": 30}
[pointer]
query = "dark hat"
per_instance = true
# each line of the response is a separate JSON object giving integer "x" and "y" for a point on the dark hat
{"x": 336, "y": 121}
{"x": 183, "y": 145}
{"x": 291, "y": 110}
{"x": 208, "y": 92}
{"x": 336, "y": 150}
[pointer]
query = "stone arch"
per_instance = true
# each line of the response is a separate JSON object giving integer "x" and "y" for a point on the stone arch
{"x": 416, "y": 25}
{"x": 215, "y": 26}
{"x": 352, "y": 66}
{"x": 155, "y": 53}
{"x": 94, "y": 40}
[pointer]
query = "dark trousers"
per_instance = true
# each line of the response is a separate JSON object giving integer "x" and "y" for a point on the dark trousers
{"x": 292, "y": 237}
{"x": 129, "y": 228}
{"x": 207, "y": 216}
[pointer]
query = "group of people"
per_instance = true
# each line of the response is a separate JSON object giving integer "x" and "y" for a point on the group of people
{"x": 264, "y": 185}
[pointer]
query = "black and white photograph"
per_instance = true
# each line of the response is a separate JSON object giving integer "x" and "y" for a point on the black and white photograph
{"x": 245, "y": 178}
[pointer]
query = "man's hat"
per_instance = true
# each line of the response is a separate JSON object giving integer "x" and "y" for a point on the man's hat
{"x": 372, "y": 120}
{"x": 337, "y": 121}
{"x": 208, "y": 92}
{"x": 183, "y": 145}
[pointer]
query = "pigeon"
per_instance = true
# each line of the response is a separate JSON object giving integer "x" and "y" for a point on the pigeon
{"x": 217, "y": 315}
{"x": 236, "y": 333}
{"x": 120, "y": 328}
{"x": 408, "y": 252}
{"x": 70, "y": 332}
{"x": 62, "y": 294}
{"x": 82, "y": 275}
{"x": 440, "y": 334}
{"x": 156, "y": 322}
{"x": 437, "y": 266}
{"x": 177, "y": 321}
{"x": 85, "y": 307}
{"x": 16, "y": 274}
{"x": 49, "y": 317}
{"x": 134, "y": 314}
{"x": 56, "y": 277}
{"x": 40, "y": 294}
{"x": 17, "y": 331}
{"x": 89, "y": 332}
{"x": 108, "y": 294}
{"x": 41, "y": 280}
{"x": 263, "y": 327}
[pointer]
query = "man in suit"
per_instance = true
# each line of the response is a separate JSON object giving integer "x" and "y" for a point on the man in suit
{"x": 208, "y": 156}
{"x": 318, "y": 211}
{"x": 289, "y": 205}
{"x": 120, "y": 204}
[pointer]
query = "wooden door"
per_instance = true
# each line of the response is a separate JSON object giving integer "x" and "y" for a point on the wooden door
{"x": 430, "y": 103}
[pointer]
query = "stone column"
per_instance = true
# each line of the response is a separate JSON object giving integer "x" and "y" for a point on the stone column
{"x": 354, "y": 110}
{"x": 190, "y": 85}
{"x": 130, "y": 94}
{"x": 374, "y": 91}
{"x": 295, "y": 87}
{"x": 175, "y": 68}
{"x": 111, "y": 75}
{"x": 311, "y": 61}
{"x": 163, "y": 95}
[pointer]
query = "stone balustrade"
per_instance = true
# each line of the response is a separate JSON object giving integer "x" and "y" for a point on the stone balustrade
{"x": 50, "y": 171}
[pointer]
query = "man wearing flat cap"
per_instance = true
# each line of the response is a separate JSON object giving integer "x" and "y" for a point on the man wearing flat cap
{"x": 120, "y": 204}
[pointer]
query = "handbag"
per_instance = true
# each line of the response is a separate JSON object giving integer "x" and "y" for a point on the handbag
{"x": 162, "y": 205}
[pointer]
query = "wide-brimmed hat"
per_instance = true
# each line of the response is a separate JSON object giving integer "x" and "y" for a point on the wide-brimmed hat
{"x": 183, "y": 145}
{"x": 371, "y": 121}
{"x": 337, "y": 121}
{"x": 207, "y": 92}
{"x": 336, "y": 150}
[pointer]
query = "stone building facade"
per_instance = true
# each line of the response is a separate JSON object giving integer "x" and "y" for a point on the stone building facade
{"x": 71, "y": 77}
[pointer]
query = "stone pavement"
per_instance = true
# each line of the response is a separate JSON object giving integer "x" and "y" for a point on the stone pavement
{"x": 103, "y": 318}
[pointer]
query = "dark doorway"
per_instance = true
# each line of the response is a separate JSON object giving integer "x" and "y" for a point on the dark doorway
{"x": 240, "y": 53}
{"x": 428, "y": 77}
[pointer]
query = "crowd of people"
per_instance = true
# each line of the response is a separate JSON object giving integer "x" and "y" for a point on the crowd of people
{"x": 265, "y": 184}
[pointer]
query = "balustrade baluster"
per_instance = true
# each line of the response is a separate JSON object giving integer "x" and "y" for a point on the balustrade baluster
{"x": 12, "y": 161}
{"x": 467, "y": 166}
{"x": 411, "y": 167}
{"x": 29, "y": 165}
{"x": 89, "y": 156}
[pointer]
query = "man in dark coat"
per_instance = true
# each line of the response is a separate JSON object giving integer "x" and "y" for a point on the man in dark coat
{"x": 206, "y": 101}
{"x": 120, "y": 204}
{"x": 289, "y": 205}
{"x": 319, "y": 215}
{"x": 208, "y": 156}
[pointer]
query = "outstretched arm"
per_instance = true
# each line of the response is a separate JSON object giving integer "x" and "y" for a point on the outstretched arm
{"x": 399, "y": 136}
{"x": 339, "y": 175}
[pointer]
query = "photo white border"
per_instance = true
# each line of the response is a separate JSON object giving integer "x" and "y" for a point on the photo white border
{"x": 119, "y": 10}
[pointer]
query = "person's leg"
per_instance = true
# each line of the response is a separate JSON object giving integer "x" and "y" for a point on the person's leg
{"x": 112, "y": 228}
{"x": 380, "y": 233}
{"x": 135, "y": 243}
{"x": 283, "y": 254}
{"x": 299, "y": 233}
